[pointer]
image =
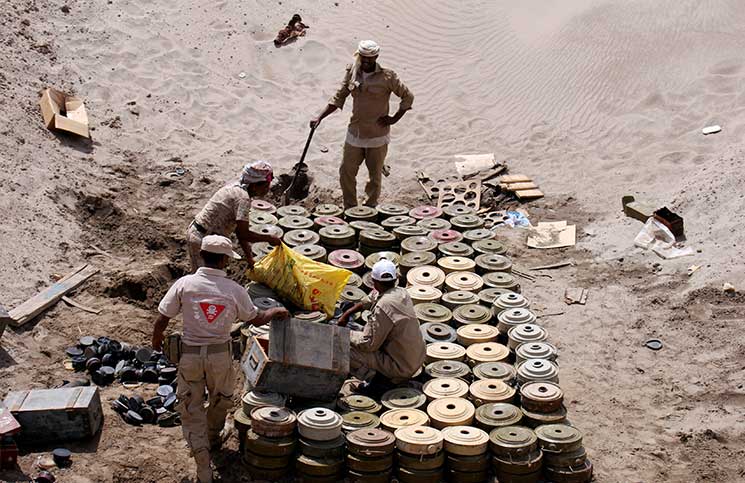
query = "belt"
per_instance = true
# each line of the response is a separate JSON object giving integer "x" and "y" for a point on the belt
{"x": 199, "y": 227}
{"x": 211, "y": 349}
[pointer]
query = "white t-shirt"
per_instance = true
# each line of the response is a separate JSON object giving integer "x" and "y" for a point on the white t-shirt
{"x": 210, "y": 303}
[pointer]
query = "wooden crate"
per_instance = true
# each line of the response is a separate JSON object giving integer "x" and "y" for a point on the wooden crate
{"x": 56, "y": 415}
{"x": 305, "y": 359}
{"x": 4, "y": 320}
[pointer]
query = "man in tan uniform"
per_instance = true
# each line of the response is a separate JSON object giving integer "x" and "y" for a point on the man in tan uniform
{"x": 227, "y": 212}
{"x": 391, "y": 343}
{"x": 369, "y": 129}
{"x": 210, "y": 303}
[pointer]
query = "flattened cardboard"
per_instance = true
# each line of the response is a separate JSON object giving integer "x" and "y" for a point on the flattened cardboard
{"x": 552, "y": 235}
{"x": 75, "y": 119}
{"x": 532, "y": 194}
{"x": 468, "y": 164}
{"x": 514, "y": 178}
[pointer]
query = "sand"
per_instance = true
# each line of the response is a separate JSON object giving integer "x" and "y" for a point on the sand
{"x": 594, "y": 99}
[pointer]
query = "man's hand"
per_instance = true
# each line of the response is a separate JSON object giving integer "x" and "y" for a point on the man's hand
{"x": 387, "y": 121}
{"x": 273, "y": 240}
{"x": 280, "y": 313}
{"x": 158, "y": 341}
{"x": 250, "y": 262}
{"x": 315, "y": 122}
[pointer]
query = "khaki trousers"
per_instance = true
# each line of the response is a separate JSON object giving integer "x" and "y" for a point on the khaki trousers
{"x": 363, "y": 365}
{"x": 352, "y": 158}
{"x": 195, "y": 372}
{"x": 194, "y": 245}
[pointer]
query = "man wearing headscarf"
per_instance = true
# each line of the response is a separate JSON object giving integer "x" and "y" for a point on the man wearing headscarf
{"x": 227, "y": 212}
{"x": 368, "y": 134}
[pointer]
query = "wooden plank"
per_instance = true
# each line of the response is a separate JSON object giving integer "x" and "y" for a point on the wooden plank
{"x": 42, "y": 301}
{"x": 82, "y": 307}
{"x": 515, "y": 178}
{"x": 523, "y": 185}
{"x": 529, "y": 194}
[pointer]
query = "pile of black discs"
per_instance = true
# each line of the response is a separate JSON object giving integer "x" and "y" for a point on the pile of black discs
{"x": 107, "y": 360}
{"x": 160, "y": 410}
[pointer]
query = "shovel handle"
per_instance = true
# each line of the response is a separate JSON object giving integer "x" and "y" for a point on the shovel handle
{"x": 307, "y": 145}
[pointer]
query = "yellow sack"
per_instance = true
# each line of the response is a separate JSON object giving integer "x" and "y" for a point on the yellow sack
{"x": 306, "y": 283}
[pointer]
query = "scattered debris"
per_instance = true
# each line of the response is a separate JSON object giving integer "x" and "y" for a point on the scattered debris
{"x": 728, "y": 288}
{"x": 64, "y": 113}
{"x": 657, "y": 237}
{"x": 295, "y": 28}
{"x": 692, "y": 269}
{"x": 8, "y": 424}
{"x": 45, "y": 477}
{"x": 550, "y": 314}
{"x": 555, "y": 234}
{"x": 473, "y": 164}
{"x": 564, "y": 263}
{"x": 521, "y": 185}
{"x": 654, "y": 344}
{"x": 575, "y": 295}
{"x": 42, "y": 301}
{"x": 638, "y": 210}
{"x": 242, "y": 75}
{"x": 672, "y": 221}
{"x": 711, "y": 129}
{"x": 386, "y": 169}
{"x": 160, "y": 410}
{"x": 466, "y": 193}
{"x": 82, "y": 307}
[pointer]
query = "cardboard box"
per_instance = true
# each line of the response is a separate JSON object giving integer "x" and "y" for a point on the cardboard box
{"x": 56, "y": 415}
{"x": 64, "y": 113}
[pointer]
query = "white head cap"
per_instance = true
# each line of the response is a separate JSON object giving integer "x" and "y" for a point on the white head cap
{"x": 219, "y": 244}
{"x": 368, "y": 48}
{"x": 384, "y": 271}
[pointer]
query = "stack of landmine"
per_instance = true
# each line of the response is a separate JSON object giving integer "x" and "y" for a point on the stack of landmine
{"x": 478, "y": 327}
{"x": 322, "y": 446}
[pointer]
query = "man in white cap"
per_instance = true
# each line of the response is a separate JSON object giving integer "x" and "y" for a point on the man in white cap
{"x": 391, "y": 344}
{"x": 209, "y": 303}
{"x": 368, "y": 134}
{"x": 227, "y": 212}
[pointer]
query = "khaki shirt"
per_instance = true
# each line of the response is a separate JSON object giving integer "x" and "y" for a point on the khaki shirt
{"x": 228, "y": 205}
{"x": 393, "y": 329}
{"x": 210, "y": 303}
{"x": 371, "y": 100}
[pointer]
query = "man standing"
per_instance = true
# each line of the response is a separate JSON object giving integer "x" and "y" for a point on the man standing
{"x": 391, "y": 343}
{"x": 210, "y": 303}
{"x": 227, "y": 212}
{"x": 369, "y": 129}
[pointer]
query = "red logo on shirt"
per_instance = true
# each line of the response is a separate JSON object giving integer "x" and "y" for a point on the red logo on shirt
{"x": 211, "y": 311}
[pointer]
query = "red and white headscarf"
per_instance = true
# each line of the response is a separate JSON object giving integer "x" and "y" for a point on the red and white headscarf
{"x": 257, "y": 172}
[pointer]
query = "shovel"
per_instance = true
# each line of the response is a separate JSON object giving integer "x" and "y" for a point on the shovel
{"x": 300, "y": 169}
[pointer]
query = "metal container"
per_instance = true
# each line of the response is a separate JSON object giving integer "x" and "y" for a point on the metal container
{"x": 466, "y": 222}
{"x": 295, "y": 223}
{"x": 497, "y": 415}
{"x": 476, "y": 334}
{"x": 509, "y": 318}
{"x": 426, "y": 275}
{"x": 535, "y": 350}
{"x": 418, "y": 244}
{"x": 357, "y": 402}
{"x": 489, "y": 246}
{"x": 526, "y": 333}
{"x": 415, "y": 259}
{"x": 486, "y": 352}
{"x": 429, "y": 312}
{"x": 273, "y": 421}
{"x": 292, "y": 210}
{"x": 55, "y": 415}
{"x": 488, "y": 296}
{"x": 355, "y": 420}
{"x": 542, "y": 397}
{"x": 314, "y": 252}
{"x": 446, "y": 235}
{"x": 445, "y": 387}
{"x": 347, "y": 259}
{"x": 261, "y": 205}
{"x": 502, "y": 280}
{"x": 575, "y": 474}
{"x": 419, "y": 440}
{"x": 305, "y": 360}
{"x": 424, "y": 212}
{"x": 393, "y": 222}
{"x": 448, "y": 369}
{"x": 403, "y": 232}
{"x": 392, "y": 257}
{"x": 457, "y": 210}
{"x": 295, "y": 238}
{"x": 493, "y": 263}
{"x": 450, "y": 411}
{"x": 394, "y": 419}
{"x": 495, "y": 370}
{"x": 327, "y": 209}
{"x": 437, "y": 332}
{"x": 467, "y": 281}
{"x": 537, "y": 370}
{"x": 455, "y": 249}
{"x": 486, "y": 391}
{"x": 361, "y": 213}
{"x": 423, "y": 294}
{"x": 456, "y": 264}
{"x": 477, "y": 234}
{"x": 387, "y": 210}
{"x": 559, "y": 438}
{"x": 319, "y": 424}
{"x": 512, "y": 441}
{"x": 452, "y": 300}
{"x": 403, "y": 398}
{"x": 371, "y": 442}
{"x": 471, "y": 314}
{"x": 465, "y": 441}
{"x": 444, "y": 351}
